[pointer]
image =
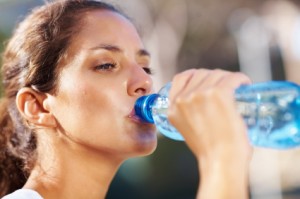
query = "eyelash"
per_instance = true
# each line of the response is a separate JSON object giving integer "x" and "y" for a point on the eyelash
{"x": 112, "y": 66}
{"x": 149, "y": 71}
{"x": 105, "y": 66}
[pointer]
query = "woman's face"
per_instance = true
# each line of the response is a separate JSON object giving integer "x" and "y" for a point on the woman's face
{"x": 105, "y": 70}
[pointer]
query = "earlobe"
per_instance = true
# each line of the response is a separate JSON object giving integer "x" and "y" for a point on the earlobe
{"x": 30, "y": 104}
{"x": 47, "y": 120}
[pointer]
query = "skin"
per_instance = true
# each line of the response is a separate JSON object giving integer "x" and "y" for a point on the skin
{"x": 87, "y": 128}
{"x": 203, "y": 110}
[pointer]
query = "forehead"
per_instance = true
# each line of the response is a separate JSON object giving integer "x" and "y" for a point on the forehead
{"x": 104, "y": 26}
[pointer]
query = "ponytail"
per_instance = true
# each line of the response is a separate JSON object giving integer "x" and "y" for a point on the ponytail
{"x": 13, "y": 156}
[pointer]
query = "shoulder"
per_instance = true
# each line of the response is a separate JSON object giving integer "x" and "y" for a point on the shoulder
{"x": 23, "y": 194}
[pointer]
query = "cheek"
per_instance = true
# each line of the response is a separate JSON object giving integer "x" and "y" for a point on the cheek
{"x": 89, "y": 108}
{"x": 89, "y": 102}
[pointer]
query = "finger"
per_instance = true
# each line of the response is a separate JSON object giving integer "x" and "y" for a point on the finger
{"x": 179, "y": 82}
{"x": 197, "y": 79}
{"x": 234, "y": 80}
{"x": 213, "y": 78}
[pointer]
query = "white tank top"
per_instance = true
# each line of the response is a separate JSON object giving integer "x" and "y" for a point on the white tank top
{"x": 23, "y": 194}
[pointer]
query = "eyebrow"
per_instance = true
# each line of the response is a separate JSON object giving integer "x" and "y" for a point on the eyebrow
{"x": 116, "y": 49}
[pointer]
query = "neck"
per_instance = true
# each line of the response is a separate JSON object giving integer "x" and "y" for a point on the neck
{"x": 69, "y": 170}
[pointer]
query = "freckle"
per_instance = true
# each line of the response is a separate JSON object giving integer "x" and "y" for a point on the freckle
{"x": 84, "y": 91}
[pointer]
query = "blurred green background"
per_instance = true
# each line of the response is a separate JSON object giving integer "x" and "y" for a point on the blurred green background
{"x": 258, "y": 37}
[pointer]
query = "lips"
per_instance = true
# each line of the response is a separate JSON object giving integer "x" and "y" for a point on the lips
{"x": 132, "y": 115}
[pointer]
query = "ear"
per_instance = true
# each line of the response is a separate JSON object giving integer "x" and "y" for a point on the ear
{"x": 30, "y": 104}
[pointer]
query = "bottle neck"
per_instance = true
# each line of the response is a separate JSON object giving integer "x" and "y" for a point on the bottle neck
{"x": 143, "y": 107}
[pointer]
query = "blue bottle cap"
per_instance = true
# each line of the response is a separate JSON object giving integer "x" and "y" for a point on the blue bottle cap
{"x": 143, "y": 107}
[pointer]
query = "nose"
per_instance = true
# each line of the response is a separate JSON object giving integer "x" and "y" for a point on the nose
{"x": 140, "y": 82}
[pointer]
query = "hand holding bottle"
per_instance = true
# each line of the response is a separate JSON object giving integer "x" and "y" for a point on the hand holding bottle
{"x": 202, "y": 108}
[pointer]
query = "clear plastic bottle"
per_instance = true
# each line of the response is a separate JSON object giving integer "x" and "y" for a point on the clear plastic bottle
{"x": 271, "y": 111}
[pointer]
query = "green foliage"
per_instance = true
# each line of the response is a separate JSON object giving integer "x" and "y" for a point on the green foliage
{"x": 3, "y": 37}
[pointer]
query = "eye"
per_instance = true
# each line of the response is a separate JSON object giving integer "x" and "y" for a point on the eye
{"x": 106, "y": 66}
{"x": 149, "y": 71}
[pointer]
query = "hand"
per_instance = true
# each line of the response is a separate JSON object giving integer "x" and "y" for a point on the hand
{"x": 202, "y": 108}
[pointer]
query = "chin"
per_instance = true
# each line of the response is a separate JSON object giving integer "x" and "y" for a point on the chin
{"x": 145, "y": 145}
{"x": 143, "y": 139}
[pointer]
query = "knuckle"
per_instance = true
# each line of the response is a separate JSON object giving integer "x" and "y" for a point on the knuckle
{"x": 242, "y": 77}
{"x": 184, "y": 74}
{"x": 217, "y": 70}
{"x": 203, "y": 71}
{"x": 214, "y": 93}
{"x": 174, "y": 109}
{"x": 179, "y": 102}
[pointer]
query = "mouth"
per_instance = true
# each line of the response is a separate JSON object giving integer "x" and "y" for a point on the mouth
{"x": 132, "y": 115}
{"x": 141, "y": 124}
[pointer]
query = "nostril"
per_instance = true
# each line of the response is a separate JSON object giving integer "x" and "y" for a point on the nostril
{"x": 141, "y": 91}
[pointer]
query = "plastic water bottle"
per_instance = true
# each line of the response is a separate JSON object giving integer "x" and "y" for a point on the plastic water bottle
{"x": 271, "y": 111}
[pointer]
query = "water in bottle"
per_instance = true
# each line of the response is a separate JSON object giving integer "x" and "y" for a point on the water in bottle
{"x": 271, "y": 111}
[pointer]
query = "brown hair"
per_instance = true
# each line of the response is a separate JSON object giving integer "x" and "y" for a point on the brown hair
{"x": 30, "y": 60}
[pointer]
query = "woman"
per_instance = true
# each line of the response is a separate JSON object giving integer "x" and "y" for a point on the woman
{"x": 71, "y": 74}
